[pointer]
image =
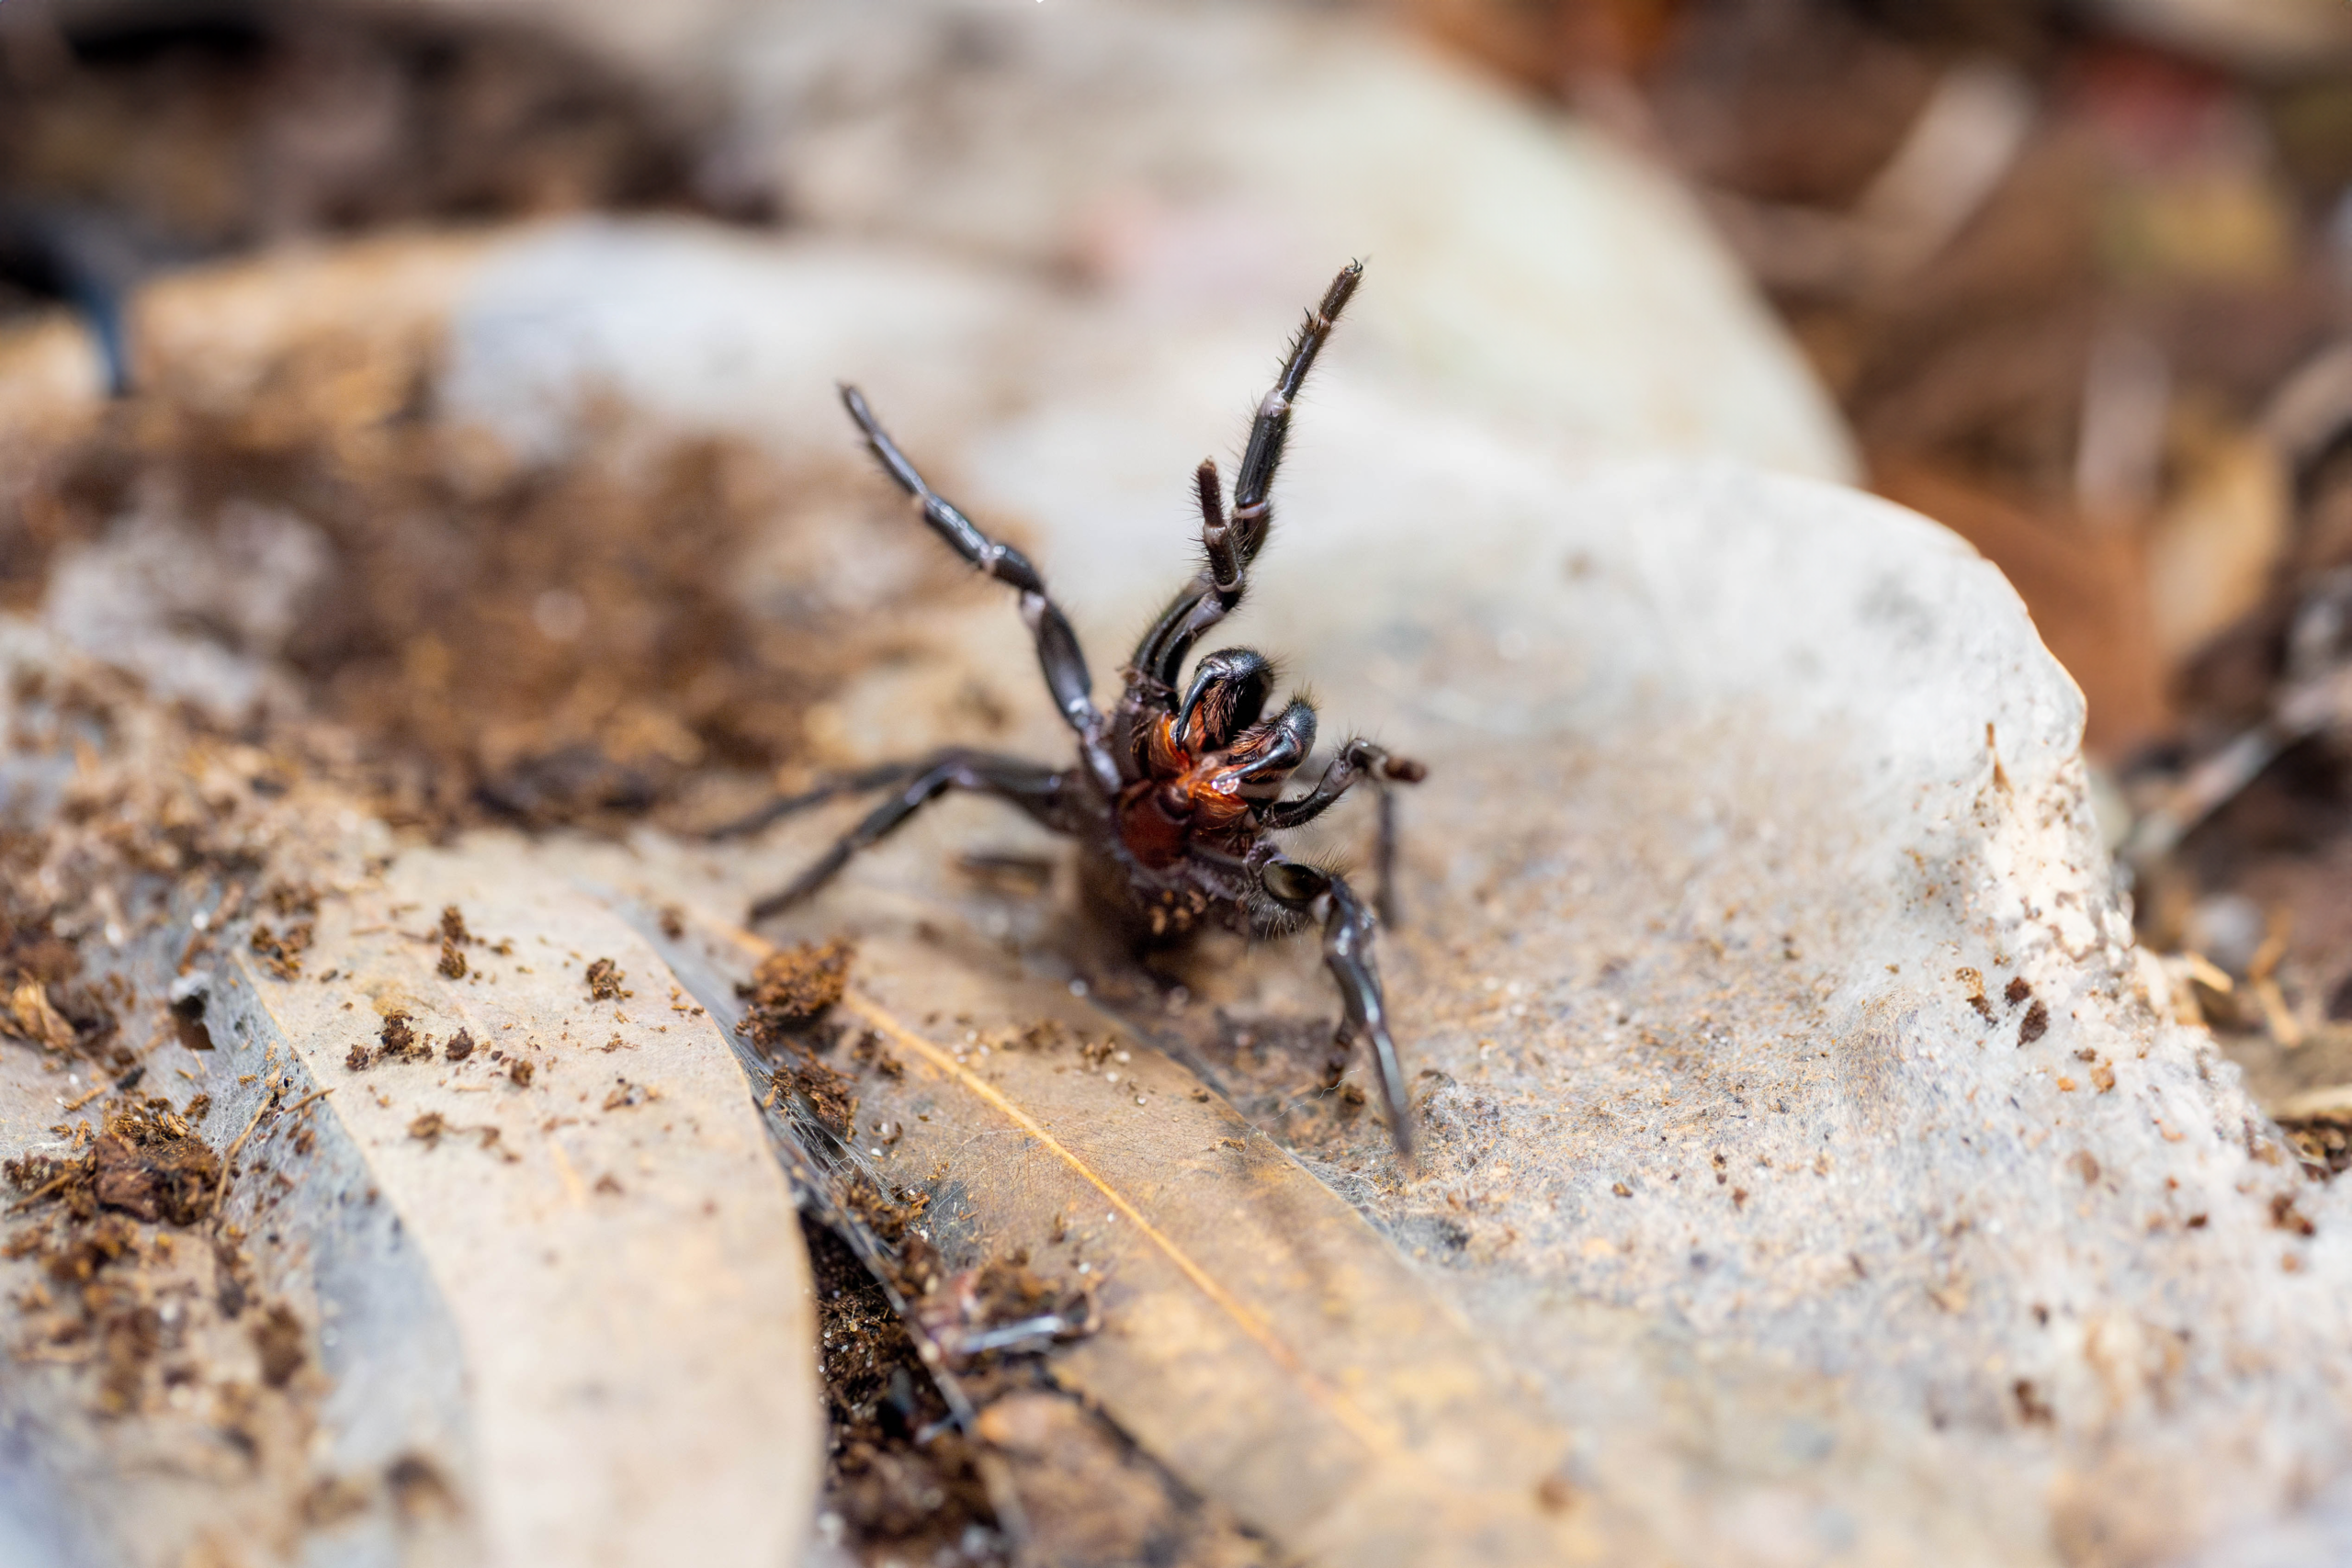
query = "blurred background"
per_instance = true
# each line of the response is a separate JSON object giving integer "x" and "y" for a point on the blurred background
{"x": 2074, "y": 280}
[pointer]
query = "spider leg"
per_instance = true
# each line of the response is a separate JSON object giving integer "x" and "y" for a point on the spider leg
{"x": 1358, "y": 758}
{"x": 1058, "y": 654}
{"x": 839, "y": 785}
{"x": 1036, "y": 788}
{"x": 1232, "y": 541}
{"x": 1347, "y": 952}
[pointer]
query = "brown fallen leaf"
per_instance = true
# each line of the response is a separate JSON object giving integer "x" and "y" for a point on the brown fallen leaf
{"x": 1257, "y": 1336}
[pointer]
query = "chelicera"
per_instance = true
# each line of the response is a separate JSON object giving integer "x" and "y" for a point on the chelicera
{"x": 1176, "y": 796}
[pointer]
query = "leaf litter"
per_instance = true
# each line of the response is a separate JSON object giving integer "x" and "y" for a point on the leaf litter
{"x": 1007, "y": 1191}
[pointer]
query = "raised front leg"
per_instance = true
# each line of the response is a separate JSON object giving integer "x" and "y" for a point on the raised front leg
{"x": 1036, "y": 789}
{"x": 1347, "y": 952}
{"x": 1058, "y": 654}
{"x": 1232, "y": 541}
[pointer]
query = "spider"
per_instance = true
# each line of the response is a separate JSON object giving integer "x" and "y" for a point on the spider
{"x": 1176, "y": 793}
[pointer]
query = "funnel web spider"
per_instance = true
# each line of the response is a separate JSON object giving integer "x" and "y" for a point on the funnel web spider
{"x": 1176, "y": 796}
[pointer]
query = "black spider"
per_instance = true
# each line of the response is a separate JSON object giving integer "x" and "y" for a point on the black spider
{"x": 1176, "y": 788}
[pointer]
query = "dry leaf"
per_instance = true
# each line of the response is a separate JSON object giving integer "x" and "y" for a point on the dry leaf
{"x": 37, "y": 1020}
{"x": 1257, "y": 1337}
{"x": 685, "y": 1299}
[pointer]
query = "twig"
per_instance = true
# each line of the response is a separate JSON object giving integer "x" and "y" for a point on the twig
{"x": 74, "y": 1105}
{"x": 220, "y": 1189}
{"x": 54, "y": 1182}
{"x": 310, "y": 1099}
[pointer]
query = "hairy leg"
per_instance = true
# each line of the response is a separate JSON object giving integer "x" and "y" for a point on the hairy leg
{"x": 1036, "y": 788}
{"x": 1232, "y": 541}
{"x": 1347, "y": 952}
{"x": 783, "y": 806}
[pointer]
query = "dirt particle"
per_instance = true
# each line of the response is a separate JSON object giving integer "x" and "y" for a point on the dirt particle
{"x": 831, "y": 1096}
{"x": 167, "y": 1179}
{"x": 624, "y": 1094}
{"x": 281, "y": 955}
{"x": 891, "y": 1216}
{"x": 453, "y": 962}
{"x": 428, "y": 1129}
{"x": 1555, "y": 1494}
{"x": 358, "y": 1059}
{"x": 1619, "y": 1188}
{"x": 2035, "y": 1024}
{"x": 288, "y": 899}
{"x": 2015, "y": 991}
{"x": 146, "y": 1160}
{"x": 453, "y": 927}
{"x": 1972, "y": 982}
{"x": 871, "y": 1052}
{"x": 792, "y": 990}
{"x": 280, "y": 1342}
{"x": 2285, "y": 1216}
{"x": 460, "y": 1046}
{"x": 2032, "y": 1408}
{"x": 604, "y": 978}
{"x": 522, "y": 1073}
{"x": 399, "y": 1039}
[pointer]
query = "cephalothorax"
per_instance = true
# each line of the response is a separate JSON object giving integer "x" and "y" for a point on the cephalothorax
{"x": 1177, "y": 790}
